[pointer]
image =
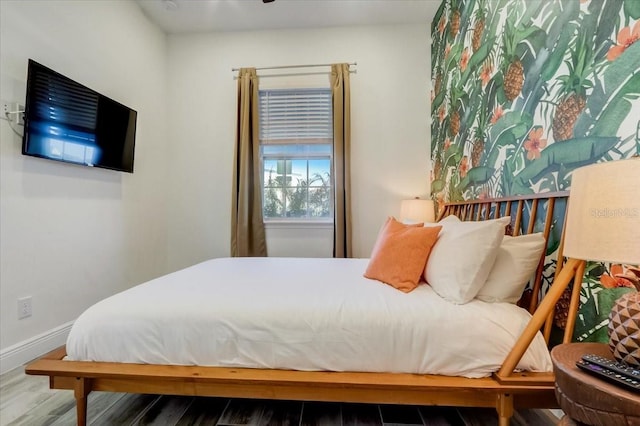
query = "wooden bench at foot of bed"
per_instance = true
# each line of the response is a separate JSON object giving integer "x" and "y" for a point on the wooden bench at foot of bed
{"x": 506, "y": 390}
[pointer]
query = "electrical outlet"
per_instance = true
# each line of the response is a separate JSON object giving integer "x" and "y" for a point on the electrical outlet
{"x": 24, "y": 307}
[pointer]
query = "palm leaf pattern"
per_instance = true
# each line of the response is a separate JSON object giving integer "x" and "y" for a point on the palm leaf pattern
{"x": 574, "y": 100}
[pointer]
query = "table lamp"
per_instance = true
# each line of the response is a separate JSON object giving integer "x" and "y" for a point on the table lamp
{"x": 602, "y": 224}
{"x": 417, "y": 210}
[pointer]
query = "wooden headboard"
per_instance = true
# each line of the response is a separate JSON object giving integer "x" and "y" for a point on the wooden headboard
{"x": 529, "y": 213}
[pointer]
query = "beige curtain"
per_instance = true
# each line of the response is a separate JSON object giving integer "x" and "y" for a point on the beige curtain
{"x": 340, "y": 88}
{"x": 247, "y": 226}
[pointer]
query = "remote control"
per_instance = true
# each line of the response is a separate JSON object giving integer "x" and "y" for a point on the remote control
{"x": 632, "y": 384}
{"x": 619, "y": 368}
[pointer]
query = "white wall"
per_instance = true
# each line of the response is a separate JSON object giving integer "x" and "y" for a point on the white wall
{"x": 71, "y": 235}
{"x": 390, "y": 149}
{"x": 299, "y": 240}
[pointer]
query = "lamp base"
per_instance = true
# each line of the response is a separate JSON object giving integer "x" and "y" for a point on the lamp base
{"x": 624, "y": 329}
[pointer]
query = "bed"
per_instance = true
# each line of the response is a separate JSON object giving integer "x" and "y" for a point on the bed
{"x": 260, "y": 351}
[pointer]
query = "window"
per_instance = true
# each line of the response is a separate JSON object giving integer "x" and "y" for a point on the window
{"x": 296, "y": 144}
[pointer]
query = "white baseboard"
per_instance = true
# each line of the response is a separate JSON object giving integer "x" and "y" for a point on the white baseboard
{"x": 27, "y": 350}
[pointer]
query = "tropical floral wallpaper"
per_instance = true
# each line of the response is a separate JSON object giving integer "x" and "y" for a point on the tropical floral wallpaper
{"x": 524, "y": 92}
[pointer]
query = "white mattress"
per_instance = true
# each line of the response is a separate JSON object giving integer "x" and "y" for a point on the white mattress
{"x": 303, "y": 314}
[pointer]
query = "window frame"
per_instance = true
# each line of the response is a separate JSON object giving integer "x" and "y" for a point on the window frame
{"x": 307, "y": 155}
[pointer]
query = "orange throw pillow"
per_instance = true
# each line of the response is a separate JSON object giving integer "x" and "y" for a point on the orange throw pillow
{"x": 400, "y": 254}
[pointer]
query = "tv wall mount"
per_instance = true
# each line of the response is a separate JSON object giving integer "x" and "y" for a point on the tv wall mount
{"x": 14, "y": 112}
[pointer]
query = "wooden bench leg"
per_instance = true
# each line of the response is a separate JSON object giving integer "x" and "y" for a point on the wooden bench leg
{"x": 81, "y": 391}
{"x": 505, "y": 408}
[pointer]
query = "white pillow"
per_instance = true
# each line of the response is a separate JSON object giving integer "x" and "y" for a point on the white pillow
{"x": 517, "y": 260}
{"x": 463, "y": 256}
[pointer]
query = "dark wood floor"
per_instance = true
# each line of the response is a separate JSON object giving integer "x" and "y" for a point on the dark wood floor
{"x": 26, "y": 400}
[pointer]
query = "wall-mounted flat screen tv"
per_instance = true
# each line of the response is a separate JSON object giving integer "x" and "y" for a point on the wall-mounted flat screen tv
{"x": 66, "y": 121}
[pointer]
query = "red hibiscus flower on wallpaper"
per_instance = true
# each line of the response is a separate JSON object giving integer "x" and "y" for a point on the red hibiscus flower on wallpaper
{"x": 442, "y": 24}
{"x": 498, "y": 112}
{"x": 535, "y": 143}
{"x": 626, "y": 37}
{"x": 485, "y": 74}
{"x": 464, "y": 61}
{"x": 463, "y": 168}
{"x": 621, "y": 276}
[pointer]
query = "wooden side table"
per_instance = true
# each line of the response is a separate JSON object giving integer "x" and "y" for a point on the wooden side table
{"x": 587, "y": 399}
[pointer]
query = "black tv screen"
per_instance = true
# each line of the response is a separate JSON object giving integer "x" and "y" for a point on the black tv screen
{"x": 66, "y": 121}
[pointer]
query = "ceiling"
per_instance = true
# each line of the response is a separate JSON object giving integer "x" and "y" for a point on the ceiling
{"x": 189, "y": 16}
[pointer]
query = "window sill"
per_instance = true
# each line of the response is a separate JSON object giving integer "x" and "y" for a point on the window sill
{"x": 298, "y": 224}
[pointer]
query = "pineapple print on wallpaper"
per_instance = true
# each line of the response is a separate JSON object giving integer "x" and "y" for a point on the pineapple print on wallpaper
{"x": 524, "y": 92}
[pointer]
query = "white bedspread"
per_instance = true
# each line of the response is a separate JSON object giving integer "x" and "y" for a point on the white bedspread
{"x": 303, "y": 314}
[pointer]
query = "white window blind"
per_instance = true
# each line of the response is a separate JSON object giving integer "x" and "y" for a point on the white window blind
{"x": 301, "y": 116}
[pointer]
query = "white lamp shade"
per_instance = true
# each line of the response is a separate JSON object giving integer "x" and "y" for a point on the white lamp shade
{"x": 417, "y": 211}
{"x": 603, "y": 215}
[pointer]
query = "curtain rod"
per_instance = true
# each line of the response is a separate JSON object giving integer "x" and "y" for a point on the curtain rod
{"x": 295, "y": 74}
{"x": 293, "y": 66}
